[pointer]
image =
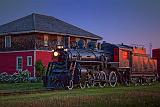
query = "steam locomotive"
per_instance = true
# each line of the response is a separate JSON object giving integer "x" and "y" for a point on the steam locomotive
{"x": 110, "y": 64}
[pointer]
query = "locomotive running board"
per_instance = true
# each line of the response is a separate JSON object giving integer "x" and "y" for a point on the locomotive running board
{"x": 89, "y": 61}
{"x": 142, "y": 74}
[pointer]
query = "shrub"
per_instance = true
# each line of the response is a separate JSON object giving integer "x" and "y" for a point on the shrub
{"x": 40, "y": 69}
{"x": 22, "y": 76}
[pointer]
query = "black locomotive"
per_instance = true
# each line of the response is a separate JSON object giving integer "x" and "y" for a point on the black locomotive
{"x": 108, "y": 65}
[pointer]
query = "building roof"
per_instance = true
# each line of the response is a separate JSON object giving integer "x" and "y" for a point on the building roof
{"x": 44, "y": 24}
{"x": 109, "y": 46}
{"x": 123, "y": 46}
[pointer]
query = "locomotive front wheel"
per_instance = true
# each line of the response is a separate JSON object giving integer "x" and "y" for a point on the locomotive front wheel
{"x": 112, "y": 79}
{"x": 70, "y": 87}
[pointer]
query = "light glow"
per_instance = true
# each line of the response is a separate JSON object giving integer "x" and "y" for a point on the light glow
{"x": 59, "y": 47}
{"x": 66, "y": 50}
{"x": 56, "y": 53}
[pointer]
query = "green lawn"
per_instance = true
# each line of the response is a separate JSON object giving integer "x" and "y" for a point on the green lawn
{"x": 20, "y": 87}
{"x": 141, "y": 96}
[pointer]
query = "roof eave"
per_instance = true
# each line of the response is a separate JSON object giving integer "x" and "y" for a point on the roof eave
{"x": 35, "y": 31}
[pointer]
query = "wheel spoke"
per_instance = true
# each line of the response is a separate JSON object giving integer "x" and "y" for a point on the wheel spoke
{"x": 112, "y": 79}
{"x": 83, "y": 85}
{"x": 70, "y": 87}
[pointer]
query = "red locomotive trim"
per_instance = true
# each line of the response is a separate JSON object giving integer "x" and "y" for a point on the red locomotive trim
{"x": 116, "y": 55}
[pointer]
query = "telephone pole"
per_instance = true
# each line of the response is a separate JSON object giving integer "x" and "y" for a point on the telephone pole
{"x": 150, "y": 49}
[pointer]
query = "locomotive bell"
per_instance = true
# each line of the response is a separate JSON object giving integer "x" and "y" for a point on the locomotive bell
{"x": 81, "y": 44}
{"x": 91, "y": 45}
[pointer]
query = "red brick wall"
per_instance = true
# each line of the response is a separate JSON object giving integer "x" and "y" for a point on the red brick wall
{"x": 18, "y": 42}
{"x": 1, "y": 41}
{"x": 44, "y": 56}
{"x": 8, "y": 61}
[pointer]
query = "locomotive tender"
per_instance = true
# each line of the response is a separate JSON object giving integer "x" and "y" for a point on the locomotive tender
{"x": 108, "y": 65}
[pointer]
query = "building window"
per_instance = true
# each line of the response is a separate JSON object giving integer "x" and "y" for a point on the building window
{"x": 59, "y": 40}
{"x": 67, "y": 41}
{"x": 7, "y": 41}
{"x": 45, "y": 40}
{"x": 19, "y": 65}
{"x": 29, "y": 60}
{"x": 77, "y": 39}
{"x": 125, "y": 55}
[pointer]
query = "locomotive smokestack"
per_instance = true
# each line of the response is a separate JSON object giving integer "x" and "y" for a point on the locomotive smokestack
{"x": 104, "y": 41}
{"x": 99, "y": 46}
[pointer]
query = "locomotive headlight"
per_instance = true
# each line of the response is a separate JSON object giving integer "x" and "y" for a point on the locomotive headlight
{"x": 60, "y": 47}
{"x": 56, "y": 53}
{"x": 66, "y": 50}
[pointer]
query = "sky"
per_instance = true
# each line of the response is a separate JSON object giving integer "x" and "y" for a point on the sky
{"x": 117, "y": 21}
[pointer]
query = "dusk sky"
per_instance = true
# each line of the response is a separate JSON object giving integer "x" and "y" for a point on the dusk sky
{"x": 117, "y": 21}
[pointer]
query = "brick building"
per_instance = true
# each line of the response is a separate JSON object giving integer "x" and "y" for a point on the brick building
{"x": 32, "y": 38}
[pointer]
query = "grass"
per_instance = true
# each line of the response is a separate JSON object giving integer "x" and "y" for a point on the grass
{"x": 141, "y": 96}
{"x": 20, "y": 86}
